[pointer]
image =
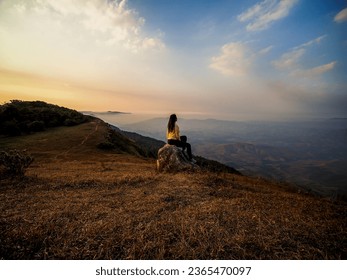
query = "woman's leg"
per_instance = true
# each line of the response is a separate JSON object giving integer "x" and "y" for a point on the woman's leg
{"x": 183, "y": 139}
{"x": 183, "y": 145}
{"x": 189, "y": 151}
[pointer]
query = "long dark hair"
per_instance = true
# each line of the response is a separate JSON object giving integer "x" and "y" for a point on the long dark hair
{"x": 171, "y": 123}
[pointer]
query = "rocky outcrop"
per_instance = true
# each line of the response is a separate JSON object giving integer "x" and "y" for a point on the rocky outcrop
{"x": 173, "y": 159}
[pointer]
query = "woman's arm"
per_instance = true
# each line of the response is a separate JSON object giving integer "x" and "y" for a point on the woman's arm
{"x": 177, "y": 132}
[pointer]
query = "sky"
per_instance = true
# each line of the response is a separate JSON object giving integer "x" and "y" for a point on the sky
{"x": 227, "y": 59}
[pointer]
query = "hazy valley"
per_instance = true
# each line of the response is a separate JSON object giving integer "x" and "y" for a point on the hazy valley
{"x": 311, "y": 154}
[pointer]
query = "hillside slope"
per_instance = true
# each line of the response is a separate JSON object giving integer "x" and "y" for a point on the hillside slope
{"x": 81, "y": 202}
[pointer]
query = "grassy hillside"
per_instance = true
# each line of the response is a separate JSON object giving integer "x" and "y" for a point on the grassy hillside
{"x": 81, "y": 202}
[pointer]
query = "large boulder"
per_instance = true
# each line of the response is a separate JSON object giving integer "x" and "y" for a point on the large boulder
{"x": 173, "y": 159}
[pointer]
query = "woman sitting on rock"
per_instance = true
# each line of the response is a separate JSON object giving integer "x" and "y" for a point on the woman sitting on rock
{"x": 174, "y": 138}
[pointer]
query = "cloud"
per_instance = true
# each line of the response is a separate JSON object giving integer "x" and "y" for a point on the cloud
{"x": 111, "y": 22}
{"x": 291, "y": 61}
{"x": 312, "y": 42}
{"x": 316, "y": 71}
{"x": 262, "y": 14}
{"x": 341, "y": 16}
{"x": 233, "y": 60}
{"x": 265, "y": 50}
{"x": 100, "y": 43}
{"x": 236, "y": 59}
{"x": 20, "y": 8}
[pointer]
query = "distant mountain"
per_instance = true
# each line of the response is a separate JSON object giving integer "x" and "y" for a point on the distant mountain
{"x": 197, "y": 130}
{"x": 92, "y": 113}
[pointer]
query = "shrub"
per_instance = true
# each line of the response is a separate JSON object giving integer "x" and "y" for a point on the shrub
{"x": 15, "y": 162}
{"x": 70, "y": 122}
{"x": 11, "y": 128}
{"x": 36, "y": 126}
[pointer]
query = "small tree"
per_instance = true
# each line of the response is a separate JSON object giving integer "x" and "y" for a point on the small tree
{"x": 16, "y": 162}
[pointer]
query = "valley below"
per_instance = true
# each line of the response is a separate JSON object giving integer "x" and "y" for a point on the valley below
{"x": 311, "y": 155}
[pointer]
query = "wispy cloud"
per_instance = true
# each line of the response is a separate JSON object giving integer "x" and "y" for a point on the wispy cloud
{"x": 265, "y": 50}
{"x": 312, "y": 42}
{"x": 316, "y": 71}
{"x": 341, "y": 16}
{"x": 291, "y": 61}
{"x": 233, "y": 60}
{"x": 262, "y": 14}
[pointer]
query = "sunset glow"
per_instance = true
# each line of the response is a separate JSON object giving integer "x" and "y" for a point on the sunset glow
{"x": 259, "y": 59}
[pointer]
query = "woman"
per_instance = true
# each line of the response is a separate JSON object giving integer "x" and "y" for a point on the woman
{"x": 174, "y": 138}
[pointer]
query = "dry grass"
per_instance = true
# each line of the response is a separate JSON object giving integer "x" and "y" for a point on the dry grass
{"x": 78, "y": 202}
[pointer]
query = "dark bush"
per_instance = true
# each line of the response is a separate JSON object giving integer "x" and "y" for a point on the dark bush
{"x": 22, "y": 117}
{"x": 36, "y": 126}
{"x": 11, "y": 128}
{"x": 16, "y": 162}
{"x": 9, "y": 112}
{"x": 70, "y": 122}
{"x": 53, "y": 123}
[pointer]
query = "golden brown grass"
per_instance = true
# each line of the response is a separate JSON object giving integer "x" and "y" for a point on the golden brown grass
{"x": 78, "y": 202}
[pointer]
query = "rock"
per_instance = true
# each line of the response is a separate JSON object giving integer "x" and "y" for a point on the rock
{"x": 173, "y": 159}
